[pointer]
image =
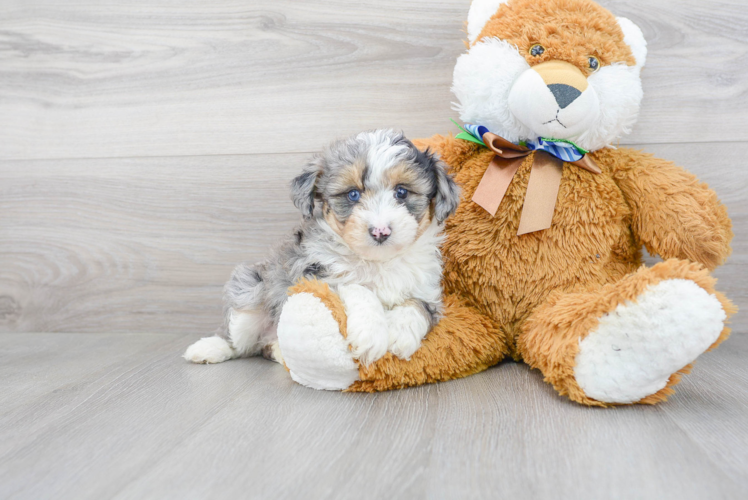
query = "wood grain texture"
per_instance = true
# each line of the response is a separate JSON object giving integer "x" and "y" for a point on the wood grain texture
{"x": 158, "y": 78}
{"x": 121, "y": 416}
{"x": 129, "y": 245}
{"x": 143, "y": 153}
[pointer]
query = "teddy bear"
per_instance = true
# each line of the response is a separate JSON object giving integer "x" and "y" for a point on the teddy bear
{"x": 543, "y": 258}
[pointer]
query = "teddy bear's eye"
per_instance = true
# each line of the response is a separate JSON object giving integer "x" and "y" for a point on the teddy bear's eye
{"x": 594, "y": 63}
{"x": 537, "y": 50}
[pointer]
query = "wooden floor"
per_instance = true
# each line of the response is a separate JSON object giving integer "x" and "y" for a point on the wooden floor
{"x": 122, "y": 416}
{"x": 144, "y": 151}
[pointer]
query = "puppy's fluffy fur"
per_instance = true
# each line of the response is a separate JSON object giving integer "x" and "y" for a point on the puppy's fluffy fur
{"x": 373, "y": 206}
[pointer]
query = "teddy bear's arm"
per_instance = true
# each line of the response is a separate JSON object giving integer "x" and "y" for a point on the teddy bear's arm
{"x": 454, "y": 152}
{"x": 674, "y": 214}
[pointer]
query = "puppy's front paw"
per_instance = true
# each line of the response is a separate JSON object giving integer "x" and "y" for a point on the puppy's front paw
{"x": 406, "y": 326}
{"x": 366, "y": 325}
{"x": 368, "y": 339}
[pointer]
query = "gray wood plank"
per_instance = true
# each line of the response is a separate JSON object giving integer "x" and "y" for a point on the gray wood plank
{"x": 128, "y": 245}
{"x": 123, "y": 245}
{"x": 154, "y": 78}
{"x": 154, "y": 426}
{"x": 45, "y": 373}
{"x": 548, "y": 447}
{"x": 712, "y": 407}
{"x": 104, "y": 427}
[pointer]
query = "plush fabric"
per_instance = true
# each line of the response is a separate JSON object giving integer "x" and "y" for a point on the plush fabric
{"x": 313, "y": 345}
{"x": 570, "y": 30}
{"x": 573, "y": 301}
{"x": 544, "y": 291}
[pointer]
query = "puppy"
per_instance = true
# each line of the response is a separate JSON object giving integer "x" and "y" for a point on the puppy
{"x": 373, "y": 206}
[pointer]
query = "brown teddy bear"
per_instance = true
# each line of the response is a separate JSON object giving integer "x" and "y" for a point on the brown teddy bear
{"x": 543, "y": 257}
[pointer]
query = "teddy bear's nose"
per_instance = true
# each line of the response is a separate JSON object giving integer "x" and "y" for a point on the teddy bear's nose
{"x": 564, "y": 94}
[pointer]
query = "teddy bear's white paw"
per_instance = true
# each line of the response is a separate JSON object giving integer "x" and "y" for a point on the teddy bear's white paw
{"x": 638, "y": 346}
{"x": 406, "y": 328}
{"x": 312, "y": 347}
{"x": 209, "y": 350}
{"x": 366, "y": 325}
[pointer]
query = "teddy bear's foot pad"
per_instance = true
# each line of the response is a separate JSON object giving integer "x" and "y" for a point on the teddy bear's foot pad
{"x": 314, "y": 351}
{"x": 639, "y": 345}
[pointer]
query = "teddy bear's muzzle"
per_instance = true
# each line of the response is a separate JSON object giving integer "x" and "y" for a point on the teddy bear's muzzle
{"x": 554, "y": 100}
{"x": 565, "y": 81}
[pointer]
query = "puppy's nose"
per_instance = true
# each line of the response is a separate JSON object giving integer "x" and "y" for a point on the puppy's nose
{"x": 564, "y": 94}
{"x": 380, "y": 233}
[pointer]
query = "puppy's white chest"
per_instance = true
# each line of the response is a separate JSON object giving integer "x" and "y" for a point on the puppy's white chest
{"x": 394, "y": 286}
{"x": 395, "y": 282}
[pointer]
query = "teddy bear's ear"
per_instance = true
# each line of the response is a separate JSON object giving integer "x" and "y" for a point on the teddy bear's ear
{"x": 480, "y": 12}
{"x": 634, "y": 38}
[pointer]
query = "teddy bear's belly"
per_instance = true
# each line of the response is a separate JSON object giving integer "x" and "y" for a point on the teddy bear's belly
{"x": 506, "y": 276}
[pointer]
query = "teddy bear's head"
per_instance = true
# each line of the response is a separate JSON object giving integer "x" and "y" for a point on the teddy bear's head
{"x": 558, "y": 69}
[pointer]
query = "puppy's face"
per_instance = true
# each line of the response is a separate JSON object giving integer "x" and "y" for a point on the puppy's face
{"x": 377, "y": 191}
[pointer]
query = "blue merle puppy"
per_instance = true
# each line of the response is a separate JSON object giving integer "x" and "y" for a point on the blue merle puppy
{"x": 373, "y": 208}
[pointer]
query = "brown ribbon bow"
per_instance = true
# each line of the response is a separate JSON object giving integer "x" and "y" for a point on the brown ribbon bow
{"x": 542, "y": 189}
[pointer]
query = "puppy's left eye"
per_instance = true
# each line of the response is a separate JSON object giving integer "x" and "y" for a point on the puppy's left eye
{"x": 354, "y": 195}
{"x": 401, "y": 193}
{"x": 594, "y": 63}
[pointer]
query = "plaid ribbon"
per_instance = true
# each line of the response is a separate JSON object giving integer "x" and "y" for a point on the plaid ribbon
{"x": 545, "y": 174}
{"x": 563, "y": 150}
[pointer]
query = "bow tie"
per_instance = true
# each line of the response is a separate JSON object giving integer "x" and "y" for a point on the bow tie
{"x": 545, "y": 176}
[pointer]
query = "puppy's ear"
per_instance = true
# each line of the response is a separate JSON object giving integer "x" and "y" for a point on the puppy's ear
{"x": 303, "y": 187}
{"x": 447, "y": 196}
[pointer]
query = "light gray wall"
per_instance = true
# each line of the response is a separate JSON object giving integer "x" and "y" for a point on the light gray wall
{"x": 145, "y": 146}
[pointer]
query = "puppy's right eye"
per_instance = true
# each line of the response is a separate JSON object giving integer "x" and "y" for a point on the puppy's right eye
{"x": 354, "y": 195}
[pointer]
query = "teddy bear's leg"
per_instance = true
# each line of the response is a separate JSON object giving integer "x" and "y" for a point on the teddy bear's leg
{"x": 464, "y": 342}
{"x": 312, "y": 331}
{"x": 311, "y": 338}
{"x": 630, "y": 341}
